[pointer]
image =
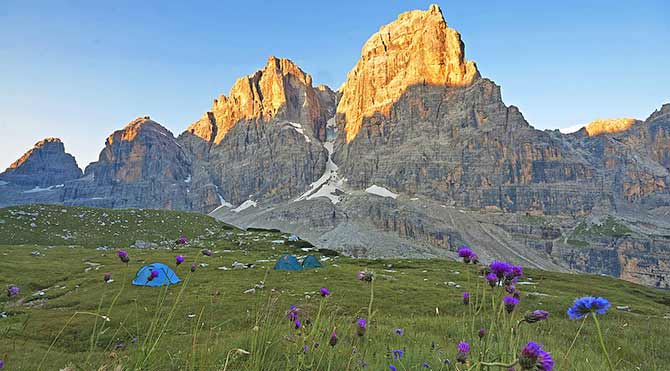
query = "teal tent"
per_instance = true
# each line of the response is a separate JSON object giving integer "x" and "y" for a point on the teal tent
{"x": 166, "y": 276}
{"x": 287, "y": 263}
{"x": 311, "y": 262}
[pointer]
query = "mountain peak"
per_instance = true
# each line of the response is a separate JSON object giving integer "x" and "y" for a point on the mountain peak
{"x": 609, "y": 126}
{"x": 417, "y": 48}
{"x": 280, "y": 90}
{"x": 43, "y": 165}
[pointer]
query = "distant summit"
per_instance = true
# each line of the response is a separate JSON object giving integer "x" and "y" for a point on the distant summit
{"x": 46, "y": 164}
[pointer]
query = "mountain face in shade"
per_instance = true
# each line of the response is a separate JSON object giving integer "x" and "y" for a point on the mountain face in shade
{"x": 415, "y": 155}
{"x": 46, "y": 164}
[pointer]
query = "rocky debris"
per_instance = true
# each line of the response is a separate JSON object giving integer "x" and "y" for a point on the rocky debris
{"x": 46, "y": 164}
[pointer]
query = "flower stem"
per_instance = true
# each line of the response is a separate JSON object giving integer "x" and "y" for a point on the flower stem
{"x": 602, "y": 342}
{"x": 574, "y": 340}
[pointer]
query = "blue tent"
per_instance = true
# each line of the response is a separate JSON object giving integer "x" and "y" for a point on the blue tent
{"x": 311, "y": 262}
{"x": 166, "y": 276}
{"x": 288, "y": 263}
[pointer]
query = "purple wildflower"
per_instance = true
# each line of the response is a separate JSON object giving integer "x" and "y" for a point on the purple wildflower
{"x": 586, "y": 305}
{"x": 2, "y": 364}
{"x": 466, "y": 298}
{"x": 123, "y": 255}
{"x": 298, "y": 324}
{"x": 293, "y": 313}
{"x": 501, "y": 269}
{"x": 305, "y": 348}
{"x": 366, "y": 276}
{"x": 516, "y": 294}
{"x": 492, "y": 279}
{"x": 324, "y": 292}
{"x": 182, "y": 240}
{"x": 536, "y": 316}
{"x": 393, "y": 368}
{"x": 482, "y": 332}
{"x": 333, "y": 339}
{"x": 361, "y": 327}
{"x": 517, "y": 271}
{"x": 193, "y": 267}
{"x": 397, "y": 354}
{"x": 425, "y": 365}
{"x": 152, "y": 275}
{"x": 120, "y": 346}
{"x": 107, "y": 277}
{"x": 399, "y": 331}
{"x": 463, "y": 349}
{"x": 474, "y": 259}
{"x": 510, "y": 289}
{"x": 206, "y": 252}
{"x": 510, "y": 303}
{"x": 179, "y": 259}
{"x": 13, "y": 291}
{"x": 533, "y": 357}
{"x": 465, "y": 253}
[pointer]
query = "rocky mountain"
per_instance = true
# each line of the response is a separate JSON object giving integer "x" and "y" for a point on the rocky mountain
{"x": 46, "y": 164}
{"x": 415, "y": 155}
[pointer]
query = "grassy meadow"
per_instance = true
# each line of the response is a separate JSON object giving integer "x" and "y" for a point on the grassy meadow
{"x": 221, "y": 318}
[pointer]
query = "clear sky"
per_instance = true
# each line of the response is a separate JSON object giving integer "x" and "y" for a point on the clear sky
{"x": 78, "y": 70}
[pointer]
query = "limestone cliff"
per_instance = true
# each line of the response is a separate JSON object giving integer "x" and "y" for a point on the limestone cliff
{"x": 46, "y": 164}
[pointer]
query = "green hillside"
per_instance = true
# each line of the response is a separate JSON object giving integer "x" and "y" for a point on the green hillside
{"x": 220, "y": 317}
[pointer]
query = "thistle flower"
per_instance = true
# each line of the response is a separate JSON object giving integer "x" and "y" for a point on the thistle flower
{"x": 324, "y": 292}
{"x": 510, "y": 303}
{"x": 466, "y": 298}
{"x": 586, "y": 305}
{"x": 492, "y": 279}
{"x": 107, "y": 277}
{"x": 13, "y": 291}
{"x": 152, "y": 275}
{"x": 193, "y": 267}
{"x": 399, "y": 331}
{"x": 333, "y": 339}
{"x": 397, "y": 354}
{"x": 123, "y": 255}
{"x": 206, "y": 252}
{"x": 465, "y": 253}
{"x": 533, "y": 357}
{"x": 510, "y": 289}
{"x": 182, "y": 240}
{"x": 474, "y": 259}
{"x": 482, "y": 332}
{"x": 463, "y": 349}
{"x": 517, "y": 271}
{"x": 293, "y": 313}
{"x": 536, "y": 316}
{"x": 361, "y": 326}
{"x": 298, "y": 324}
{"x": 500, "y": 268}
{"x": 179, "y": 259}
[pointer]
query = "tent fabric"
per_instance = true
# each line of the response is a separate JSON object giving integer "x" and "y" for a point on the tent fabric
{"x": 166, "y": 276}
{"x": 287, "y": 263}
{"x": 311, "y": 262}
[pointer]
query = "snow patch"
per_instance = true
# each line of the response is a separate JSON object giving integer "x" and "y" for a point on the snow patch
{"x": 245, "y": 205}
{"x": 223, "y": 203}
{"x": 381, "y": 191}
{"x": 299, "y": 129}
{"x": 571, "y": 129}
{"x": 330, "y": 184}
{"x": 39, "y": 189}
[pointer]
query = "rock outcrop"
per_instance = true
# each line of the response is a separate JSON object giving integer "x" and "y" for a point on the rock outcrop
{"x": 609, "y": 126}
{"x": 46, "y": 164}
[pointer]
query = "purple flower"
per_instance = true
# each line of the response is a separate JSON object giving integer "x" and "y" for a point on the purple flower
{"x": 586, "y": 305}
{"x": 333, "y": 339}
{"x": 305, "y": 348}
{"x": 392, "y": 368}
{"x": 510, "y": 303}
{"x": 152, "y": 275}
{"x": 361, "y": 326}
{"x": 120, "y": 346}
{"x": 465, "y": 253}
{"x": 399, "y": 331}
{"x": 298, "y": 324}
{"x": 517, "y": 271}
{"x": 179, "y": 259}
{"x": 365, "y": 276}
{"x": 293, "y": 313}
{"x": 492, "y": 279}
{"x": 501, "y": 269}
{"x": 425, "y": 365}
{"x": 13, "y": 291}
{"x": 134, "y": 340}
{"x": 193, "y": 267}
{"x": 474, "y": 258}
{"x": 182, "y": 240}
{"x": 206, "y": 252}
{"x": 123, "y": 255}
{"x": 536, "y": 316}
{"x": 324, "y": 292}
{"x": 2, "y": 364}
{"x": 466, "y": 298}
{"x": 510, "y": 289}
{"x": 463, "y": 349}
{"x": 107, "y": 277}
{"x": 482, "y": 332}
{"x": 397, "y": 354}
{"x": 533, "y": 357}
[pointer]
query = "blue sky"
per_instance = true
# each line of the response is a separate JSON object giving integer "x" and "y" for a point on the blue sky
{"x": 78, "y": 70}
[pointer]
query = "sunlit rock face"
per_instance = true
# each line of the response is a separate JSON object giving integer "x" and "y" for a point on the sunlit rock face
{"x": 609, "y": 126}
{"x": 46, "y": 164}
{"x": 281, "y": 90}
{"x": 416, "y": 49}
